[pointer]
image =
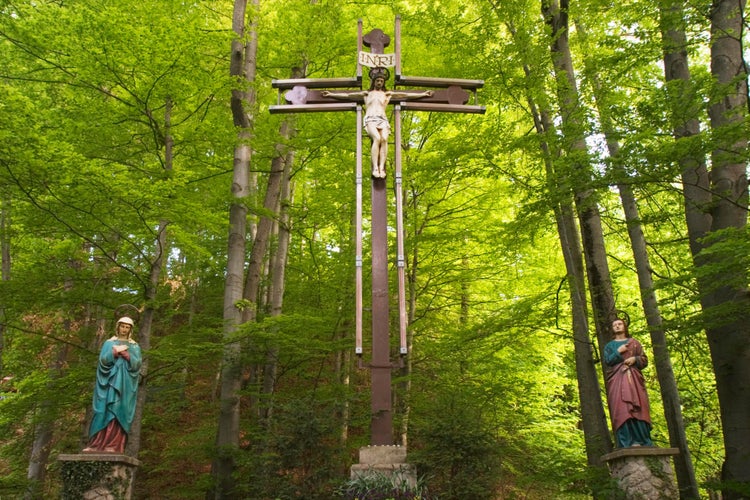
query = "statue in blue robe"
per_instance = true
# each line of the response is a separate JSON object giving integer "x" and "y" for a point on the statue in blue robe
{"x": 116, "y": 391}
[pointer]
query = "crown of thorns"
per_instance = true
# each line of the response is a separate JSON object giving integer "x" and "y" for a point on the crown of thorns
{"x": 380, "y": 73}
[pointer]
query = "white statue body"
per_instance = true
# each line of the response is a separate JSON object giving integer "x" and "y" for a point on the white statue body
{"x": 375, "y": 121}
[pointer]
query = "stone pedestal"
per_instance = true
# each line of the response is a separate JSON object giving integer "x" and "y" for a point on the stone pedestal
{"x": 644, "y": 472}
{"x": 389, "y": 461}
{"x": 97, "y": 476}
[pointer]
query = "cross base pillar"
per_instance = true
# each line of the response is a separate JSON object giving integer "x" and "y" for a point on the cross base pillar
{"x": 97, "y": 476}
{"x": 644, "y": 472}
{"x": 389, "y": 461}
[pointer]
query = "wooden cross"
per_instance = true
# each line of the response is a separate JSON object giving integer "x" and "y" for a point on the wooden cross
{"x": 314, "y": 95}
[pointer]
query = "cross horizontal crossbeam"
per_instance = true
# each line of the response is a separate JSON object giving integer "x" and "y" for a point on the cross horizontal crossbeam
{"x": 422, "y": 81}
{"x": 446, "y": 108}
{"x": 301, "y": 96}
{"x": 312, "y": 108}
{"x": 316, "y": 83}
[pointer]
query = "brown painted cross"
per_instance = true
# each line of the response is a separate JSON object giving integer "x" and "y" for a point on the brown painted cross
{"x": 313, "y": 95}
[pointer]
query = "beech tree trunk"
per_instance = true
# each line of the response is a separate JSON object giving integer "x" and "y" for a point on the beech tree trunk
{"x": 595, "y": 429}
{"x": 724, "y": 295}
{"x": 579, "y": 179}
{"x": 412, "y": 271}
{"x": 161, "y": 250}
{"x": 694, "y": 173}
{"x": 685, "y": 109}
{"x": 714, "y": 203}
{"x": 242, "y": 67}
{"x": 284, "y": 160}
{"x": 259, "y": 252}
{"x": 44, "y": 426}
{"x": 683, "y": 462}
{"x": 4, "y": 265}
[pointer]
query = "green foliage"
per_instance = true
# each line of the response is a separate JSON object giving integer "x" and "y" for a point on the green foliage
{"x": 375, "y": 485}
{"x": 459, "y": 452}
{"x": 298, "y": 457}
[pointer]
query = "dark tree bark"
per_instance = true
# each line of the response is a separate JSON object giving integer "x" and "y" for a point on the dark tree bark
{"x": 4, "y": 264}
{"x": 723, "y": 278}
{"x": 579, "y": 177}
{"x": 685, "y": 109}
{"x": 595, "y": 430}
{"x": 44, "y": 427}
{"x": 684, "y": 470}
{"x": 145, "y": 326}
{"x": 281, "y": 186}
{"x": 714, "y": 203}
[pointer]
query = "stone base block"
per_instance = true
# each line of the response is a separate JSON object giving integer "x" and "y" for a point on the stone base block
{"x": 382, "y": 455}
{"x": 389, "y": 461}
{"x": 644, "y": 472}
{"x": 97, "y": 476}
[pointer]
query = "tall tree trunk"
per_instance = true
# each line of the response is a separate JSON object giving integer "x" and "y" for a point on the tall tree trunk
{"x": 145, "y": 326}
{"x": 668, "y": 385}
{"x": 595, "y": 430}
{"x": 578, "y": 180}
{"x": 46, "y": 410}
{"x": 44, "y": 428}
{"x": 259, "y": 252}
{"x": 285, "y": 159}
{"x": 685, "y": 109}
{"x": 713, "y": 203}
{"x": 343, "y": 362}
{"x": 573, "y": 129}
{"x": 684, "y": 470}
{"x": 258, "y": 256}
{"x": 242, "y": 67}
{"x": 724, "y": 294}
{"x": 4, "y": 264}
{"x": 412, "y": 271}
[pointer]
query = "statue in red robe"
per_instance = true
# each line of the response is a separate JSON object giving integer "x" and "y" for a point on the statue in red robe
{"x": 626, "y": 388}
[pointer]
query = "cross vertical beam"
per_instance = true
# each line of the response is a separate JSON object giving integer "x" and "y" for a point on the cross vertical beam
{"x": 380, "y": 366}
{"x": 381, "y": 420}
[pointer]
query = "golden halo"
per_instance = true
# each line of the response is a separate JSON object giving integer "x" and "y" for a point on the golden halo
{"x": 620, "y": 314}
{"x": 128, "y": 310}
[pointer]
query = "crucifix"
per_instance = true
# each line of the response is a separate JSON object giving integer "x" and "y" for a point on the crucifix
{"x": 314, "y": 95}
